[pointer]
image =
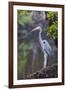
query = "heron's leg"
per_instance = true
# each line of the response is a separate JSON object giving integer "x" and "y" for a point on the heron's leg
{"x": 45, "y": 60}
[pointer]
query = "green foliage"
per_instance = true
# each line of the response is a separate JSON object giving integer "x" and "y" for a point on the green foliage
{"x": 21, "y": 68}
{"x": 23, "y": 17}
{"x": 52, "y": 16}
{"x": 53, "y": 30}
{"x": 23, "y": 54}
{"x": 25, "y": 46}
{"x": 53, "y": 26}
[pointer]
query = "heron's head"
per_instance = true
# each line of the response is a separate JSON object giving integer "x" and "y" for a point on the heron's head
{"x": 33, "y": 34}
{"x": 47, "y": 47}
{"x": 37, "y": 29}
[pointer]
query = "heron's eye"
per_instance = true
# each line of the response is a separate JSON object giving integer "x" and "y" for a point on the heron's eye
{"x": 44, "y": 42}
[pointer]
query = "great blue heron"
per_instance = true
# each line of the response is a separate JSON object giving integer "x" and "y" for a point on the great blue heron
{"x": 45, "y": 46}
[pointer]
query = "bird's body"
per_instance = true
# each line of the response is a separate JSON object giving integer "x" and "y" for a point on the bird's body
{"x": 46, "y": 48}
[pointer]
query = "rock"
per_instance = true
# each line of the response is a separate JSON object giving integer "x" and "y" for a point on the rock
{"x": 49, "y": 72}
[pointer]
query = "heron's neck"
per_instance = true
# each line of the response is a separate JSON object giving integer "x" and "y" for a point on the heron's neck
{"x": 40, "y": 38}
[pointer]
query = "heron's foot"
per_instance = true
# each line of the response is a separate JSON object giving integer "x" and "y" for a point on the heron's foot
{"x": 44, "y": 67}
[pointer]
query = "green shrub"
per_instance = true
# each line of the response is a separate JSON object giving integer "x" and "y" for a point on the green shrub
{"x": 53, "y": 25}
{"x": 23, "y": 17}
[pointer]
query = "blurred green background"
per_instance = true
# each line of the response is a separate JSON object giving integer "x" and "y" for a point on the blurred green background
{"x": 24, "y": 47}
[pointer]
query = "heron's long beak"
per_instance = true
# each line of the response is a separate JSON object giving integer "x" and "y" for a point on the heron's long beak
{"x": 36, "y": 29}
